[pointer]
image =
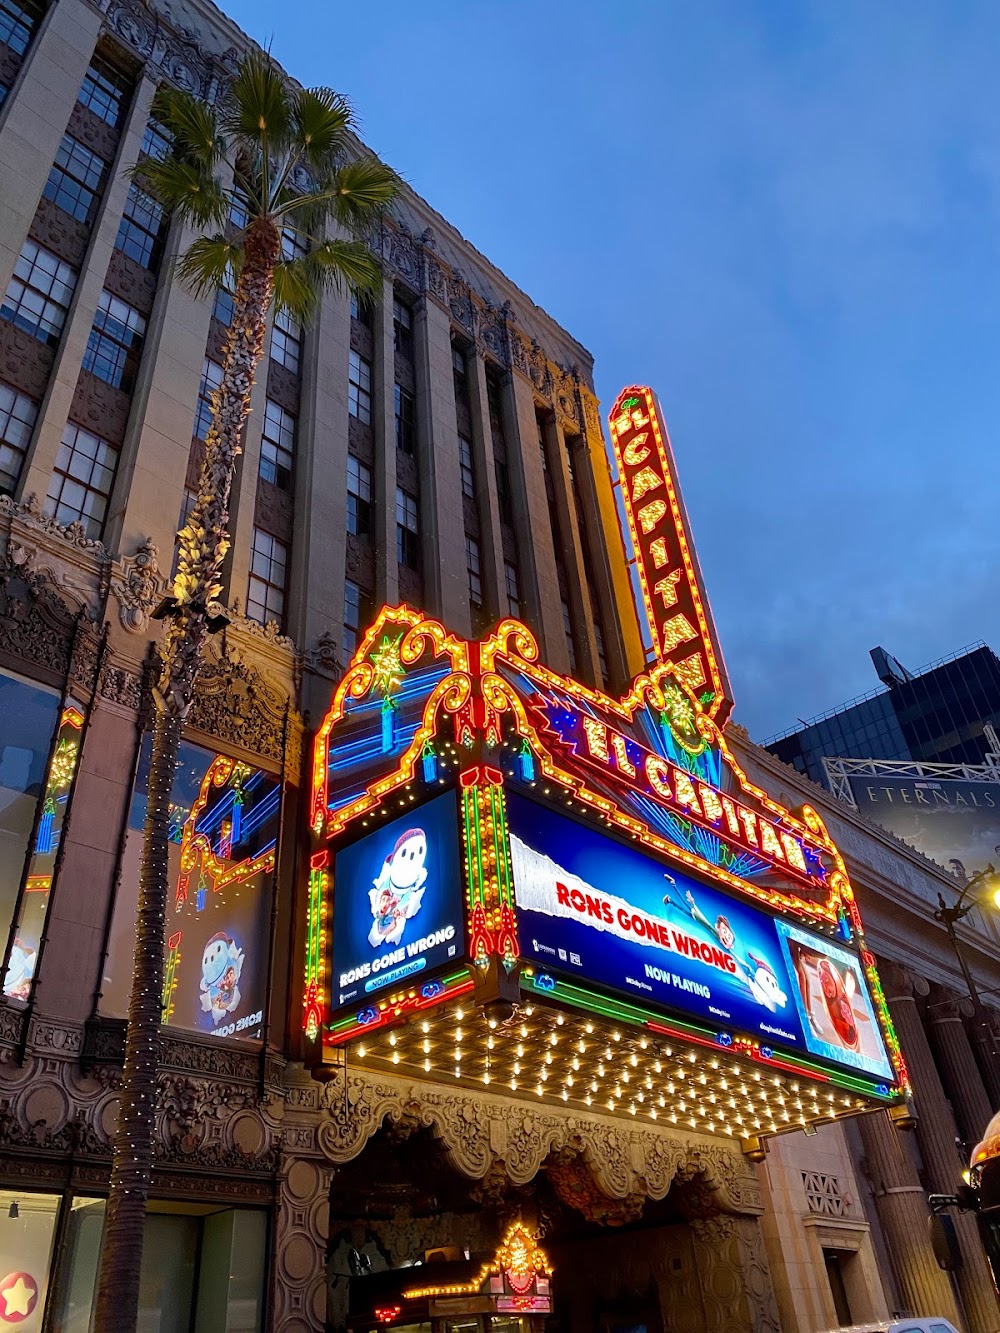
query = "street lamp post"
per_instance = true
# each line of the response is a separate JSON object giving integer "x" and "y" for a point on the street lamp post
{"x": 982, "y": 1028}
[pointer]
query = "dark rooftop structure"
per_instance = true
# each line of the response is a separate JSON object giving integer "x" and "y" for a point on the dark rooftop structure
{"x": 934, "y": 715}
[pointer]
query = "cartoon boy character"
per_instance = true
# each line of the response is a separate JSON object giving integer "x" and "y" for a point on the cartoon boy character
{"x": 756, "y": 973}
{"x": 221, "y": 965}
{"x": 399, "y": 889}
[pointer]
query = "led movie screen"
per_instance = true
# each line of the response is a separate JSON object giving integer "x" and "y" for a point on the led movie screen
{"x": 954, "y": 822}
{"x": 598, "y": 911}
{"x": 398, "y": 903}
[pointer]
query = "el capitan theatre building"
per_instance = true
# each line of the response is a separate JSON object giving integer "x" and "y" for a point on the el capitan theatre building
{"x": 568, "y": 971}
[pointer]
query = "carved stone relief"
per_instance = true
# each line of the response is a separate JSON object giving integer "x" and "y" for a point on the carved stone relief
{"x": 57, "y": 231}
{"x": 283, "y": 386}
{"x": 94, "y": 132}
{"x": 100, "y": 407}
{"x": 25, "y": 363}
{"x": 130, "y": 281}
{"x": 138, "y": 585}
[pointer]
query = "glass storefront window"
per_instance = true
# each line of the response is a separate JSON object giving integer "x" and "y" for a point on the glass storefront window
{"x": 223, "y": 836}
{"x": 28, "y": 715}
{"x": 202, "y": 1270}
{"x": 41, "y": 868}
{"x": 27, "y": 1229}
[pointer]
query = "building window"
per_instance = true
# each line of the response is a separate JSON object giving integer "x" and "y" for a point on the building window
{"x": 402, "y": 329}
{"x": 156, "y": 141}
{"x": 277, "y": 446}
{"x": 39, "y": 293}
{"x": 141, "y": 228}
{"x": 103, "y": 91}
{"x": 81, "y": 482}
{"x": 406, "y": 424}
{"x": 503, "y": 493}
{"x": 17, "y": 418}
{"x": 465, "y": 465}
{"x": 293, "y": 244}
{"x": 268, "y": 575}
{"x": 568, "y": 629}
{"x": 361, "y": 309}
{"x": 115, "y": 343}
{"x": 239, "y": 216}
{"x": 357, "y": 614}
{"x": 76, "y": 179}
{"x": 286, "y": 341}
{"x": 359, "y": 388}
{"x": 18, "y": 23}
{"x": 407, "y": 536}
{"x": 459, "y": 374}
{"x": 211, "y": 378}
{"x": 513, "y": 589}
{"x": 473, "y": 565}
{"x": 359, "y": 497}
{"x": 222, "y": 308}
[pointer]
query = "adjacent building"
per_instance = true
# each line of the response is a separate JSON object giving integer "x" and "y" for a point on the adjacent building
{"x": 438, "y": 452}
{"x": 936, "y": 715}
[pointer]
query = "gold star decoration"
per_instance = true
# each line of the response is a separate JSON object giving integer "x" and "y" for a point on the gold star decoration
{"x": 388, "y": 668}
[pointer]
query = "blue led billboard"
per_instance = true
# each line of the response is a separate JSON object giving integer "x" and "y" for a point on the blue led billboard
{"x": 397, "y": 903}
{"x": 596, "y": 910}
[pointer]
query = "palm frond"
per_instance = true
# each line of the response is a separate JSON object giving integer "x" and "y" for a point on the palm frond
{"x": 296, "y": 289}
{"x": 256, "y": 110}
{"x": 340, "y": 263}
{"x": 321, "y": 121}
{"x": 184, "y": 188}
{"x": 210, "y": 262}
{"x": 360, "y": 190}
{"x": 192, "y": 125}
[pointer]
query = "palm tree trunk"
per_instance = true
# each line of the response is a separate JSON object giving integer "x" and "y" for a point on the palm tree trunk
{"x": 204, "y": 542}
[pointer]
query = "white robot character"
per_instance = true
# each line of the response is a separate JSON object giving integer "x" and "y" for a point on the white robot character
{"x": 221, "y": 965}
{"x": 399, "y": 888}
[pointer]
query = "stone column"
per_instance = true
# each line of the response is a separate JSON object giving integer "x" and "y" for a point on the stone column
{"x": 901, "y": 1204}
{"x": 736, "y": 1290}
{"x": 319, "y": 552}
{"x": 957, "y": 1064}
{"x": 936, "y": 1135}
{"x": 384, "y": 428}
{"x": 37, "y": 116}
{"x": 446, "y": 582}
{"x": 301, "y": 1232}
{"x": 491, "y": 531}
{"x": 578, "y": 574}
{"x": 56, "y": 404}
{"x": 537, "y": 557}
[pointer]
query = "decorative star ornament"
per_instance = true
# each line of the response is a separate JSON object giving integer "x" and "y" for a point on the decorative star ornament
{"x": 388, "y": 668}
{"x": 18, "y": 1297}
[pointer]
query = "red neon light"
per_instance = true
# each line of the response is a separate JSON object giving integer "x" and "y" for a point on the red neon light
{"x": 676, "y": 610}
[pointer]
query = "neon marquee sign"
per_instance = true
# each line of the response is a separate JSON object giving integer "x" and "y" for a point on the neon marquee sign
{"x": 632, "y": 765}
{"x": 676, "y": 610}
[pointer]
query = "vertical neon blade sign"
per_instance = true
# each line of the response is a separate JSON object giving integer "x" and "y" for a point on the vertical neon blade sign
{"x": 680, "y": 623}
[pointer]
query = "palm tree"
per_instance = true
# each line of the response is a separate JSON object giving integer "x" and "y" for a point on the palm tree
{"x": 296, "y": 168}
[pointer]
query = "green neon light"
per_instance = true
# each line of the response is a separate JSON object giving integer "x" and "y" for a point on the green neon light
{"x": 621, "y": 1011}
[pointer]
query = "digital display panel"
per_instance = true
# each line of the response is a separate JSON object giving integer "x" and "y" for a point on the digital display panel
{"x": 596, "y": 910}
{"x": 397, "y": 903}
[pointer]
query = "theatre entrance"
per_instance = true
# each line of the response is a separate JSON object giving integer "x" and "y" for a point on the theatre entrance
{"x": 634, "y": 1228}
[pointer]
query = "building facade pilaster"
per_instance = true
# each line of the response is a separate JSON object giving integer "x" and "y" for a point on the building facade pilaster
{"x": 484, "y": 464}
{"x": 936, "y": 1135}
{"x": 957, "y": 1064}
{"x": 36, "y": 118}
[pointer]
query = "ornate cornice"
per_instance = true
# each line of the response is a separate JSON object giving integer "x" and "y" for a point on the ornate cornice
{"x": 480, "y": 1131}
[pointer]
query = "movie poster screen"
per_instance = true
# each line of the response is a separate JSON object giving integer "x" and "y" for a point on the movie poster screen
{"x": 224, "y": 817}
{"x": 953, "y": 821}
{"x": 597, "y": 910}
{"x": 397, "y": 903}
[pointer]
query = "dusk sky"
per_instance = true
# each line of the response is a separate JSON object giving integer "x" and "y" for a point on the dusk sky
{"x": 785, "y": 217}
